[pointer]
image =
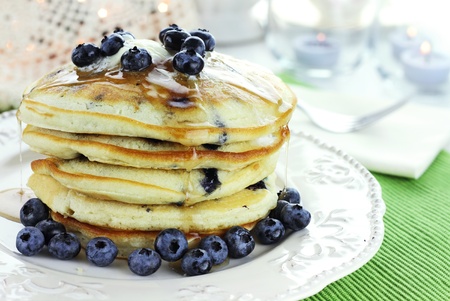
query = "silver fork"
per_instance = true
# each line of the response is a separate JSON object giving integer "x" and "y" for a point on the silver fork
{"x": 344, "y": 123}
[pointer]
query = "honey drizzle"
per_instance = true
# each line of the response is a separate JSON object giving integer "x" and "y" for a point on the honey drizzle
{"x": 284, "y": 158}
{"x": 11, "y": 200}
{"x": 286, "y": 163}
{"x": 161, "y": 78}
{"x": 20, "y": 128}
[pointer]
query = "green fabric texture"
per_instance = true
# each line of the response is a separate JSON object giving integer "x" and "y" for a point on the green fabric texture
{"x": 413, "y": 261}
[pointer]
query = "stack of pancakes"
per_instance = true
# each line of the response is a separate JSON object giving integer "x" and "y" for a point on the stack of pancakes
{"x": 133, "y": 153}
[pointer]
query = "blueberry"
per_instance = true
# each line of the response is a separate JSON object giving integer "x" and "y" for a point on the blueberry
{"x": 30, "y": 241}
{"x": 269, "y": 231}
{"x": 294, "y": 217}
{"x": 216, "y": 248}
{"x": 32, "y": 212}
{"x": 211, "y": 180}
{"x": 257, "y": 185}
{"x": 276, "y": 212}
{"x": 196, "y": 262}
{"x": 64, "y": 246}
{"x": 239, "y": 241}
{"x": 162, "y": 33}
{"x": 111, "y": 44}
{"x": 144, "y": 262}
{"x": 85, "y": 54}
{"x": 290, "y": 195}
{"x": 206, "y": 36}
{"x": 135, "y": 59}
{"x": 194, "y": 43}
{"x": 101, "y": 251}
{"x": 188, "y": 61}
{"x": 171, "y": 244}
{"x": 123, "y": 33}
{"x": 50, "y": 228}
{"x": 174, "y": 38}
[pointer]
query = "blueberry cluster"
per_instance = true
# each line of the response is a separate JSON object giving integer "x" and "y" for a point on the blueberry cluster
{"x": 287, "y": 215}
{"x": 191, "y": 47}
{"x": 40, "y": 231}
{"x": 134, "y": 59}
{"x": 170, "y": 245}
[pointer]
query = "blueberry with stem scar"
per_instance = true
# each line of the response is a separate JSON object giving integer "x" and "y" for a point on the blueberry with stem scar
{"x": 135, "y": 59}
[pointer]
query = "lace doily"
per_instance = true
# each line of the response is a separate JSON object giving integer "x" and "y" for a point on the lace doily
{"x": 39, "y": 35}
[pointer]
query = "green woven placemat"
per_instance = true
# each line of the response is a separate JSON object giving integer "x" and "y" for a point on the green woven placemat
{"x": 413, "y": 261}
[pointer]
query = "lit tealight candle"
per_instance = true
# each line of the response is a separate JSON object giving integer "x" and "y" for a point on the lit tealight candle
{"x": 317, "y": 51}
{"x": 424, "y": 67}
{"x": 405, "y": 40}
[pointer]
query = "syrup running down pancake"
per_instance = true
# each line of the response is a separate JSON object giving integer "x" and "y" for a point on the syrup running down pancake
{"x": 229, "y": 101}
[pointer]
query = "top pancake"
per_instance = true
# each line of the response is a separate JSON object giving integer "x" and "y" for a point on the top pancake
{"x": 229, "y": 101}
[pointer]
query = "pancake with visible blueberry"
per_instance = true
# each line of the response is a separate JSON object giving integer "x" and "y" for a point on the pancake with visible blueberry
{"x": 211, "y": 216}
{"x": 150, "y": 153}
{"x": 149, "y": 186}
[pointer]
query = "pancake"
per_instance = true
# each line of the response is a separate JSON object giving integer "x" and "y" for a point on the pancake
{"x": 152, "y": 186}
{"x": 150, "y": 153}
{"x": 229, "y": 101}
{"x": 126, "y": 241}
{"x": 244, "y": 207}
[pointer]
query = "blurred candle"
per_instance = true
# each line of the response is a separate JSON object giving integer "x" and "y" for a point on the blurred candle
{"x": 317, "y": 51}
{"x": 424, "y": 67}
{"x": 402, "y": 40}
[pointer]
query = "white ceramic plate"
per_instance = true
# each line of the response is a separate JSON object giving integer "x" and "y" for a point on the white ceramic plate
{"x": 346, "y": 231}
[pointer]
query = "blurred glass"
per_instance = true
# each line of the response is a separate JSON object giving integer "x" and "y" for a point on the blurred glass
{"x": 410, "y": 23}
{"x": 231, "y": 21}
{"x": 39, "y": 35}
{"x": 320, "y": 38}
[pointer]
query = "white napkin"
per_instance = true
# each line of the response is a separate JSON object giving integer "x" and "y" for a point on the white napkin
{"x": 404, "y": 143}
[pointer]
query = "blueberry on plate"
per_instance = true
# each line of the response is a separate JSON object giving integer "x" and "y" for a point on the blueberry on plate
{"x": 50, "y": 228}
{"x": 206, "y": 36}
{"x": 85, "y": 54}
{"x": 171, "y": 244}
{"x": 30, "y": 241}
{"x": 216, "y": 248}
{"x": 295, "y": 217}
{"x": 194, "y": 43}
{"x": 188, "y": 62}
{"x": 32, "y": 212}
{"x": 101, "y": 251}
{"x": 111, "y": 44}
{"x": 290, "y": 195}
{"x": 135, "y": 59}
{"x": 162, "y": 33}
{"x": 64, "y": 246}
{"x": 144, "y": 261}
{"x": 196, "y": 262}
{"x": 276, "y": 212}
{"x": 239, "y": 241}
{"x": 269, "y": 231}
{"x": 174, "y": 38}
